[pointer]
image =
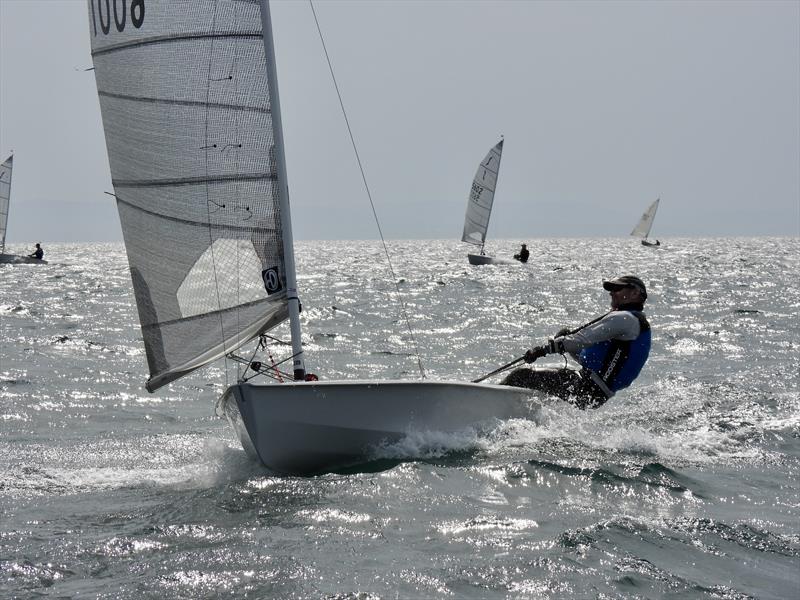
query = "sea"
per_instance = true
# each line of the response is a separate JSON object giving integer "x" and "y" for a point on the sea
{"x": 685, "y": 485}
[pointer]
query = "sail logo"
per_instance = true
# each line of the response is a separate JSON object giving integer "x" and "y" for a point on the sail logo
{"x": 272, "y": 282}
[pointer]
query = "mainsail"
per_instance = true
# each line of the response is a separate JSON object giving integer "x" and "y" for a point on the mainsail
{"x": 185, "y": 100}
{"x": 644, "y": 225}
{"x": 481, "y": 197}
{"x": 5, "y": 198}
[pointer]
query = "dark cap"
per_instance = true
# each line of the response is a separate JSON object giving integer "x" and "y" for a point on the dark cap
{"x": 625, "y": 281}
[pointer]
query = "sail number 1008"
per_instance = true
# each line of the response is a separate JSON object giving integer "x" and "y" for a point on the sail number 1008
{"x": 103, "y": 9}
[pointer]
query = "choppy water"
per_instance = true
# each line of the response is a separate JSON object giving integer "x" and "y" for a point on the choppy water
{"x": 685, "y": 486}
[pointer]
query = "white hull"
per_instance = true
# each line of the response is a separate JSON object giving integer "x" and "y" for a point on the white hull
{"x": 13, "y": 259}
{"x": 314, "y": 427}
{"x": 481, "y": 259}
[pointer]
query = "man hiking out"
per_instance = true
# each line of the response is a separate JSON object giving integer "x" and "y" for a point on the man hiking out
{"x": 611, "y": 350}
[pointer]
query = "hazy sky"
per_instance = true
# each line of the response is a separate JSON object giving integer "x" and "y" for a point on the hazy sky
{"x": 604, "y": 107}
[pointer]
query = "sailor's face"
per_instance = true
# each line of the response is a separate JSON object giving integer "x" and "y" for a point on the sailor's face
{"x": 622, "y": 296}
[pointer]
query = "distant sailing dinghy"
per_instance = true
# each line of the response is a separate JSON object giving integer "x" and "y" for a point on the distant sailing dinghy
{"x": 190, "y": 108}
{"x": 5, "y": 202}
{"x": 479, "y": 205}
{"x": 644, "y": 225}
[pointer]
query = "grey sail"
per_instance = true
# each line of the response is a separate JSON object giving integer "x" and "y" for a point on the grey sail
{"x": 184, "y": 96}
{"x": 481, "y": 197}
{"x": 645, "y": 224}
{"x": 5, "y": 198}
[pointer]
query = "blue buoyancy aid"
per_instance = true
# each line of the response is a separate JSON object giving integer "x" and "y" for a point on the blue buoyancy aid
{"x": 618, "y": 362}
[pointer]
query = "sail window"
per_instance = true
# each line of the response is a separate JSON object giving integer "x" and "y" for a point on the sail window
{"x": 227, "y": 274}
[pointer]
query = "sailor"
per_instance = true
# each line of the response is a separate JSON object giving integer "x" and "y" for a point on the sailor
{"x": 523, "y": 254}
{"x": 611, "y": 351}
{"x": 37, "y": 253}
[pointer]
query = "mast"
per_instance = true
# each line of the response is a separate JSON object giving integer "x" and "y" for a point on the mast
{"x": 283, "y": 195}
{"x": 652, "y": 217}
{"x": 496, "y": 177}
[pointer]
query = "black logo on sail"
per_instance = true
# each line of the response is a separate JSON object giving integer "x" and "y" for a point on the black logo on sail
{"x": 272, "y": 282}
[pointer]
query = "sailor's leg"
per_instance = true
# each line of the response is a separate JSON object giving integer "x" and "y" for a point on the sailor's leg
{"x": 556, "y": 382}
{"x": 563, "y": 383}
{"x": 519, "y": 378}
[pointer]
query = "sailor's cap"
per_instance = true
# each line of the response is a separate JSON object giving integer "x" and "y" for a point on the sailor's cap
{"x": 624, "y": 281}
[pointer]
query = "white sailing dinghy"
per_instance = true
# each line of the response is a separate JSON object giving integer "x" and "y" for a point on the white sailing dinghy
{"x": 479, "y": 205}
{"x": 5, "y": 202}
{"x": 645, "y": 224}
{"x": 189, "y": 98}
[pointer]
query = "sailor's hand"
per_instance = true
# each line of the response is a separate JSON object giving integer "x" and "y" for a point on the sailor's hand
{"x": 535, "y": 353}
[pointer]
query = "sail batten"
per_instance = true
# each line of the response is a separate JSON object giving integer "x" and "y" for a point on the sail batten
{"x": 198, "y": 223}
{"x": 185, "y": 100}
{"x": 192, "y": 180}
{"x": 176, "y": 38}
{"x": 211, "y": 314}
{"x": 204, "y": 104}
{"x": 481, "y": 197}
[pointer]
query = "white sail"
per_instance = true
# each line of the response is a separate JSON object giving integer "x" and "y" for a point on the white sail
{"x": 5, "y": 198}
{"x": 481, "y": 197}
{"x": 185, "y": 100}
{"x": 644, "y": 225}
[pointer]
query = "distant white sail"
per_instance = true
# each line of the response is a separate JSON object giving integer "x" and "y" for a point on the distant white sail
{"x": 644, "y": 225}
{"x": 481, "y": 197}
{"x": 5, "y": 198}
{"x": 184, "y": 97}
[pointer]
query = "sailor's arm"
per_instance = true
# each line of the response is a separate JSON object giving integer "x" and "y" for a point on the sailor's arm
{"x": 618, "y": 325}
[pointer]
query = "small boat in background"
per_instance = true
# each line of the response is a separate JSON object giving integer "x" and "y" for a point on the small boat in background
{"x": 479, "y": 205}
{"x": 5, "y": 201}
{"x": 644, "y": 225}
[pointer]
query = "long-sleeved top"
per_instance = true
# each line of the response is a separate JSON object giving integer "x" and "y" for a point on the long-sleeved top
{"x": 613, "y": 350}
{"x": 616, "y": 325}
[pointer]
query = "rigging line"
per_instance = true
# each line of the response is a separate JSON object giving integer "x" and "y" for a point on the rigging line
{"x": 208, "y": 197}
{"x": 265, "y": 335}
{"x": 241, "y": 361}
{"x": 237, "y": 194}
{"x": 233, "y": 356}
{"x": 369, "y": 195}
{"x": 240, "y": 375}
